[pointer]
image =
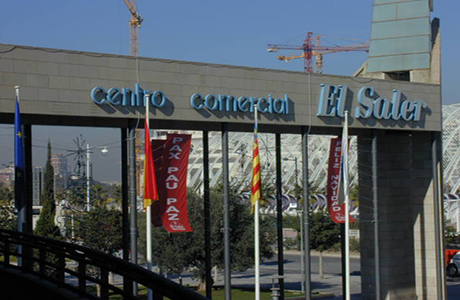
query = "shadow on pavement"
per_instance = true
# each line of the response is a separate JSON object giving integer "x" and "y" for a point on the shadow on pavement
{"x": 275, "y": 263}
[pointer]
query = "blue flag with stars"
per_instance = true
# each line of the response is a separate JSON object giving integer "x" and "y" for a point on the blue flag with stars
{"x": 18, "y": 151}
{"x": 19, "y": 170}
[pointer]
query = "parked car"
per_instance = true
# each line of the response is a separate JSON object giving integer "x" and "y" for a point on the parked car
{"x": 452, "y": 262}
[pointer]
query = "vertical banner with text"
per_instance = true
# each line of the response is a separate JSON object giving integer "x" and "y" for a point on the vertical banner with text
{"x": 334, "y": 195}
{"x": 173, "y": 183}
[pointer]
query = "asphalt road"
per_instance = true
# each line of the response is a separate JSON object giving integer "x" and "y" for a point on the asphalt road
{"x": 453, "y": 288}
{"x": 332, "y": 279}
{"x": 331, "y": 283}
{"x": 331, "y": 263}
{"x": 332, "y": 269}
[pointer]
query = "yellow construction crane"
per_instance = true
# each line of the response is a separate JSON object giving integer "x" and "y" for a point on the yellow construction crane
{"x": 311, "y": 49}
{"x": 134, "y": 25}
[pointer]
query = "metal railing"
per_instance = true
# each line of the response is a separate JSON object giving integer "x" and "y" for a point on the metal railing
{"x": 82, "y": 270}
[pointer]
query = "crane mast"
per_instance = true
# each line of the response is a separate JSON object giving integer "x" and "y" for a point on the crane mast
{"x": 134, "y": 25}
{"x": 310, "y": 49}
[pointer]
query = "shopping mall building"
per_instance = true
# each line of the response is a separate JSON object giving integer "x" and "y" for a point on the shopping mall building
{"x": 393, "y": 102}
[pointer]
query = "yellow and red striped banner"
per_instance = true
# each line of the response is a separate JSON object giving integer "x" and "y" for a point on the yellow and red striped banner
{"x": 255, "y": 184}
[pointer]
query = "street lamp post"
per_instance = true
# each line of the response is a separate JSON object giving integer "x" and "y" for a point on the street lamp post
{"x": 89, "y": 169}
{"x": 302, "y": 250}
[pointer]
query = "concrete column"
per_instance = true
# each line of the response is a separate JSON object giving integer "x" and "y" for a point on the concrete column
{"x": 406, "y": 216}
{"x": 423, "y": 215}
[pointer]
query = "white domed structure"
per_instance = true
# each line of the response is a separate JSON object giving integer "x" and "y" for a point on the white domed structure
{"x": 451, "y": 147}
{"x": 240, "y": 157}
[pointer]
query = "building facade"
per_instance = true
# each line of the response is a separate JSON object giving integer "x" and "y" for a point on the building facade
{"x": 397, "y": 122}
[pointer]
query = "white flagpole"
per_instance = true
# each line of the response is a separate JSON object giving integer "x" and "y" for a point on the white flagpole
{"x": 149, "y": 209}
{"x": 256, "y": 249}
{"x": 347, "y": 213}
{"x": 256, "y": 230}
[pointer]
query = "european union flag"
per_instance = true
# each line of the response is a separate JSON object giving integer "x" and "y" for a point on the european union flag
{"x": 19, "y": 169}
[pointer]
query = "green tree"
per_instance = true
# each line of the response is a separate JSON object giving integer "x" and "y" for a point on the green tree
{"x": 8, "y": 219}
{"x": 45, "y": 224}
{"x": 324, "y": 234}
{"x": 293, "y": 221}
{"x": 76, "y": 194}
{"x": 117, "y": 194}
{"x": 451, "y": 235}
{"x": 82, "y": 222}
{"x": 6, "y": 195}
{"x": 178, "y": 252}
{"x": 99, "y": 195}
{"x": 101, "y": 229}
{"x": 98, "y": 227}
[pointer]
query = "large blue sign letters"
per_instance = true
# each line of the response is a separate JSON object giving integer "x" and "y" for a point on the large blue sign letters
{"x": 138, "y": 97}
{"x": 243, "y": 104}
{"x": 369, "y": 104}
{"x": 128, "y": 97}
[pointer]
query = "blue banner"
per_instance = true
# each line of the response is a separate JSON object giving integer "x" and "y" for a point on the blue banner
{"x": 19, "y": 174}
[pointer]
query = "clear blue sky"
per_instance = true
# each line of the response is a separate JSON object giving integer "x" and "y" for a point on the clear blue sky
{"x": 228, "y": 32}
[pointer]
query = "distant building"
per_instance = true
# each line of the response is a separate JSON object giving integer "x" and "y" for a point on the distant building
{"x": 61, "y": 173}
{"x": 38, "y": 174}
{"x": 7, "y": 177}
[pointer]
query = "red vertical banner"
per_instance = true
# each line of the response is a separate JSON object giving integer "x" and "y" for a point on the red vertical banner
{"x": 150, "y": 183}
{"x": 334, "y": 204}
{"x": 173, "y": 183}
